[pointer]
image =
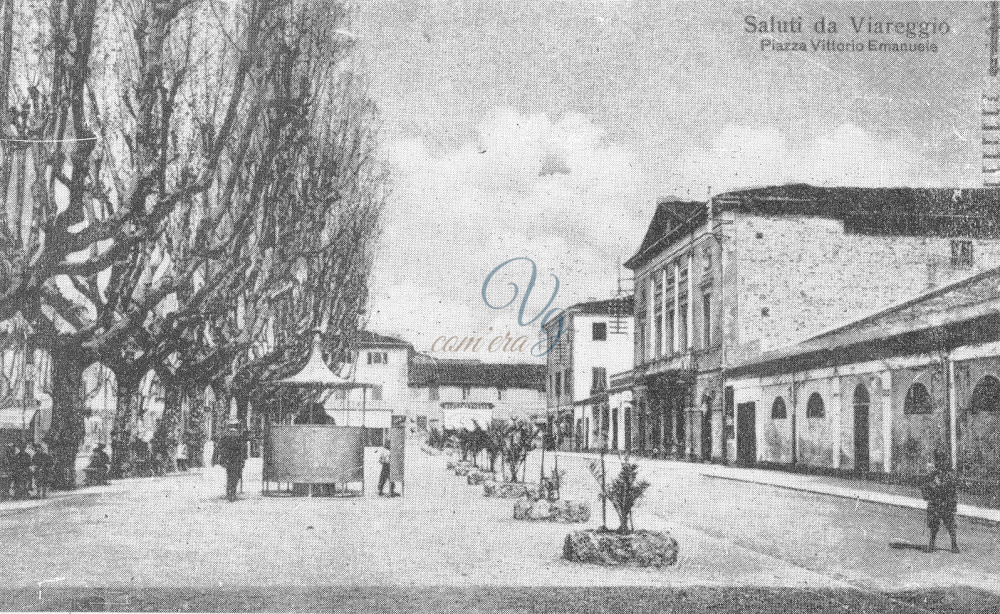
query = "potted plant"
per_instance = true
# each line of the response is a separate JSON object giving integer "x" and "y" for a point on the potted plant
{"x": 624, "y": 546}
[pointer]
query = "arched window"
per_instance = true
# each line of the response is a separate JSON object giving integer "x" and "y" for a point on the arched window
{"x": 778, "y": 409}
{"x": 815, "y": 407}
{"x": 918, "y": 400}
{"x": 861, "y": 397}
{"x": 986, "y": 395}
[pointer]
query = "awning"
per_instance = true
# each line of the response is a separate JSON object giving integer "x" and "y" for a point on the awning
{"x": 16, "y": 417}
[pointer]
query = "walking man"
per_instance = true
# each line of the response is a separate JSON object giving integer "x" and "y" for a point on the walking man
{"x": 941, "y": 494}
{"x": 231, "y": 453}
{"x": 385, "y": 458}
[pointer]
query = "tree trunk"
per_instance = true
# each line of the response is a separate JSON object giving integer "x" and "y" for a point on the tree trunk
{"x": 66, "y": 434}
{"x": 166, "y": 436}
{"x": 121, "y": 433}
{"x": 194, "y": 430}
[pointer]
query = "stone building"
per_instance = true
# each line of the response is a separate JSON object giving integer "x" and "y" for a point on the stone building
{"x": 719, "y": 283}
{"x": 881, "y": 394}
{"x": 596, "y": 341}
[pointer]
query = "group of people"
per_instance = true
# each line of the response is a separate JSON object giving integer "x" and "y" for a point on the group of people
{"x": 24, "y": 468}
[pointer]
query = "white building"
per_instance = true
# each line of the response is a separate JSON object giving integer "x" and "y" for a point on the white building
{"x": 596, "y": 342}
{"x": 428, "y": 391}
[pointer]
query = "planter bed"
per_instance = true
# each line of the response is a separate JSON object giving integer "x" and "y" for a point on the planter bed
{"x": 475, "y": 478}
{"x": 509, "y": 490}
{"x": 638, "y": 549}
{"x": 561, "y": 510}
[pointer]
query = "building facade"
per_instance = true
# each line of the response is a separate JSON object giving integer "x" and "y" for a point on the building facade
{"x": 434, "y": 392}
{"x": 596, "y": 342}
{"x": 720, "y": 283}
{"x": 881, "y": 394}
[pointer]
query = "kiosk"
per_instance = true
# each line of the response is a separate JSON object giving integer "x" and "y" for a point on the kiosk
{"x": 303, "y": 458}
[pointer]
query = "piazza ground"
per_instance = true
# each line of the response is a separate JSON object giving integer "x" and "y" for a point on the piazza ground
{"x": 173, "y": 544}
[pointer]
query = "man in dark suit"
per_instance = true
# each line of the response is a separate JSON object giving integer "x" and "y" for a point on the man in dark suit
{"x": 231, "y": 453}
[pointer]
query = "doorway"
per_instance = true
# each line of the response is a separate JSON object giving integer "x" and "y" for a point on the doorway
{"x": 862, "y": 452}
{"x": 746, "y": 433}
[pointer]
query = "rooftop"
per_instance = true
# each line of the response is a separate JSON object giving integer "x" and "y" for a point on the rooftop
{"x": 367, "y": 338}
{"x": 971, "y": 212}
{"x": 965, "y": 312}
{"x": 426, "y": 370}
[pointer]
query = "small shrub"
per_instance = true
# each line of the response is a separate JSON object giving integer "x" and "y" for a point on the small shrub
{"x": 624, "y": 492}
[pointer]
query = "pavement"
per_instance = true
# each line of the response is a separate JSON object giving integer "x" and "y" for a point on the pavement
{"x": 173, "y": 543}
{"x": 862, "y": 490}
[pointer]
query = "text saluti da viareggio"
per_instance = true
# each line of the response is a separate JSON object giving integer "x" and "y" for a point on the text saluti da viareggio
{"x": 857, "y": 34}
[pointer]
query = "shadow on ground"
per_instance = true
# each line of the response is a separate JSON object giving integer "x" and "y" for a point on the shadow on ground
{"x": 693, "y": 600}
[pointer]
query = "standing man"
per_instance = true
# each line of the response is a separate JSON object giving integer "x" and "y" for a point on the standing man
{"x": 385, "y": 458}
{"x": 6, "y": 470}
{"x": 231, "y": 451}
{"x": 22, "y": 472}
{"x": 97, "y": 472}
{"x": 941, "y": 493}
{"x": 182, "y": 456}
{"x": 44, "y": 466}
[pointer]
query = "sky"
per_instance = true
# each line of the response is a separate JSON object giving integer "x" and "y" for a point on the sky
{"x": 547, "y": 130}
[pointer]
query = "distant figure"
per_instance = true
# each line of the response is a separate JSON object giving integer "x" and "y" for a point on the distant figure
{"x": 182, "y": 456}
{"x": 231, "y": 453}
{"x": 385, "y": 458}
{"x": 97, "y": 471}
{"x": 6, "y": 470}
{"x": 941, "y": 493}
{"x": 142, "y": 458}
{"x": 22, "y": 472}
{"x": 44, "y": 468}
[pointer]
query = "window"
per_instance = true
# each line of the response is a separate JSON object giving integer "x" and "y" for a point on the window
{"x": 499, "y": 393}
{"x": 778, "y": 409}
{"x": 376, "y": 393}
{"x": 861, "y": 398}
{"x": 961, "y": 254}
{"x": 815, "y": 407}
{"x": 670, "y": 331}
{"x": 986, "y": 395}
{"x": 378, "y": 358}
{"x": 658, "y": 332}
{"x": 434, "y": 393}
{"x": 682, "y": 328}
{"x": 918, "y": 400}
{"x": 599, "y": 331}
{"x": 371, "y": 355}
{"x": 706, "y": 320}
{"x": 683, "y": 272}
{"x": 566, "y": 384}
{"x": 466, "y": 390}
{"x": 600, "y": 379}
{"x": 559, "y": 383}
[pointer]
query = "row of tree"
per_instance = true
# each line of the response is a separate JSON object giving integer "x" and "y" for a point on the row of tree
{"x": 189, "y": 187}
{"x": 508, "y": 442}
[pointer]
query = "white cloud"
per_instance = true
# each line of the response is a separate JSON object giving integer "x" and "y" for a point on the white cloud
{"x": 458, "y": 212}
{"x": 742, "y": 156}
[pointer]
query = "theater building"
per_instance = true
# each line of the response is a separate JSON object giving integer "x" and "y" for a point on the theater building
{"x": 881, "y": 394}
{"x": 720, "y": 283}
